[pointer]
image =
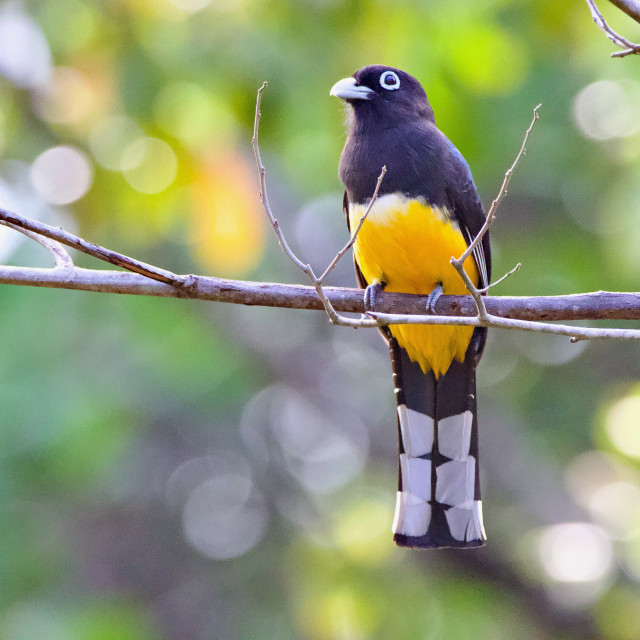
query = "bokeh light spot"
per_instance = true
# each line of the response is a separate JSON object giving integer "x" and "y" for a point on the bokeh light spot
{"x": 228, "y": 227}
{"x": 200, "y": 119}
{"x": 622, "y": 424}
{"x": 33, "y": 619}
{"x": 149, "y": 165}
{"x": 190, "y": 6}
{"x": 67, "y": 97}
{"x": 362, "y": 531}
{"x": 608, "y": 109}
{"x": 25, "y": 58}
{"x": 224, "y": 516}
{"x": 344, "y": 614}
{"x": 575, "y": 552}
{"x": 616, "y": 506}
{"x": 110, "y": 138}
{"x": 589, "y": 472}
{"x": 70, "y": 25}
{"x": 62, "y": 175}
{"x": 322, "y": 455}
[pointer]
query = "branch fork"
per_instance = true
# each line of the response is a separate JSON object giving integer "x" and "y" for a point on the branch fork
{"x": 316, "y": 281}
{"x": 458, "y": 263}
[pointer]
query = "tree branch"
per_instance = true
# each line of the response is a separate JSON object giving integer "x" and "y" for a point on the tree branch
{"x": 60, "y": 255}
{"x": 632, "y": 9}
{"x": 57, "y": 234}
{"x": 506, "y": 313}
{"x": 600, "y": 305}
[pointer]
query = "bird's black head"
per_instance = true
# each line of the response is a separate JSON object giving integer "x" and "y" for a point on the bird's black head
{"x": 384, "y": 94}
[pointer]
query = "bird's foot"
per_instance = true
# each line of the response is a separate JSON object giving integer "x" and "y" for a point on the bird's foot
{"x": 433, "y": 298}
{"x": 372, "y": 295}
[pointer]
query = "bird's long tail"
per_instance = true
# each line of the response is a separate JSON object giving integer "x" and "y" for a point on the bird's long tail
{"x": 438, "y": 502}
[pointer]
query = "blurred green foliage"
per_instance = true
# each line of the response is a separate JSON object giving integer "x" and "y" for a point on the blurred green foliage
{"x": 173, "y": 469}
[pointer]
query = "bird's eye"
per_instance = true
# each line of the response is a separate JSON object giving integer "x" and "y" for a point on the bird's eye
{"x": 389, "y": 80}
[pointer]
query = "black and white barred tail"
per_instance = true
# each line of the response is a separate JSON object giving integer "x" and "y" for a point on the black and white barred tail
{"x": 438, "y": 502}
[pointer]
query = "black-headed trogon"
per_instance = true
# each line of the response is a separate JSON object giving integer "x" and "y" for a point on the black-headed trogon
{"x": 427, "y": 211}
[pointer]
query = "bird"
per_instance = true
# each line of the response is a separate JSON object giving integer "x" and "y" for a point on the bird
{"x": 427, "y": 210}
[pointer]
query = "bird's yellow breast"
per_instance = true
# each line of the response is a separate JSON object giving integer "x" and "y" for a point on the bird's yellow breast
{"x": 408, "y": 245}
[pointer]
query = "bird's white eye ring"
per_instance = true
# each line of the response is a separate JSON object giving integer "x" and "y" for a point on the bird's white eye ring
{"x": 389, "y": 80}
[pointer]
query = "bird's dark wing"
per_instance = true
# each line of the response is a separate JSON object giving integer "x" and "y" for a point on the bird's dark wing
{"x": 466, "y": 207}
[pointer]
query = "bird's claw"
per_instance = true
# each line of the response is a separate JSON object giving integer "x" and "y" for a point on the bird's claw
{"x": 433, "y": 298}
{"x": 371, "y": 296}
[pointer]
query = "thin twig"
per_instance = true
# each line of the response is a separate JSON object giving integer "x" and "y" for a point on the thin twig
{"x": 628, "y": 47}
{"x": 263, "y": 186}
{"x": 60, "y": 255}
{"x": 575, "y": 333}
{"x": 499, "y": 280}
{"x": 458, "y": 263}
{"x": 498, "y": 199}
{"x": 334, "y": 316}
{"x": 483, "y": 315}
{"x": 66, "y": 238}
{"x": 356, "y": 231}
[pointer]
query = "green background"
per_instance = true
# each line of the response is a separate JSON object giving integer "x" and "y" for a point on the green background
{"x": 175, "y": 469}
